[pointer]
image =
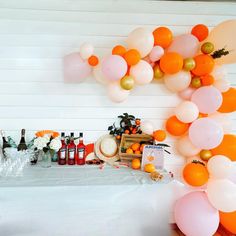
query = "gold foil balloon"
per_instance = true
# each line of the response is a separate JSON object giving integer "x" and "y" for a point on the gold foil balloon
{"x": 127, "y": 82}
{"x": 158, "y": 73}
{"x": 189, "y": 64}
{"x": 206, "y": 155}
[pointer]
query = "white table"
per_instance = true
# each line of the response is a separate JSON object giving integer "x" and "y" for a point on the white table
{"x": 83, "y": 201}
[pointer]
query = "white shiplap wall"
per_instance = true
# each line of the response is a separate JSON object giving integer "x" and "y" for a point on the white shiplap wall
{"x": 34, "y": 37}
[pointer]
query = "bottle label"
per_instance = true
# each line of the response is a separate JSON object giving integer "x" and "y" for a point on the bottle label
{"x": 81, "y": 153}
{"x": 72, "y": 153}
{"x": 63, "y": 153}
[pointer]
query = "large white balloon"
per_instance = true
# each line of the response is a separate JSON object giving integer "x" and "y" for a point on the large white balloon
{"x": 147, "y": 127}
{"x": 178, "y": 82}
{"x": 142, "y": 40}
{"x": 116, "y": 93}
{"x": 222, "y": 194}
{"x": 98, "y": 75}
{"x": 142, "y": 73}
{"x": 224, "y": 120}
{"x": 86, "y": 50}
{"x": 220, "y": 167}
{"x": 187, "y": 112}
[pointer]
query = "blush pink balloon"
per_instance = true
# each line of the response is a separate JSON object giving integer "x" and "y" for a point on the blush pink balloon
{"x": 208, "y": 99}
{"x": 205, "y": 133}
{"x": 195, "y": 216}
{"x": 114, "y": 67}
{"x": 187, "y": 93}
{"x": 116, "y": 93}
{"x": 76, "y": 70}
{"x": 156, "y": 53}
{"x": 186, "y": 45}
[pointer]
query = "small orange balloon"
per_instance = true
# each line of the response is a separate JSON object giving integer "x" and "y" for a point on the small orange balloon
{"x": 227, "y": 147}
{"x": 207, "y": 80}
{"x": 119, "y": 50}
{"x": 200, "y": 31}
{"x": 204, "y": 65}
{"x": 171, "y": 63}
{"x": 228, "y": 220}
{"x": 132, "y": 57}
{"x": 162, "y": 37}
{"x": 195, "y": 174}
{"x": 93, "y": 60}
{"x": 229, "y": 101}
{"x": 159, "y": 135}
{"x": 176, "y": 127}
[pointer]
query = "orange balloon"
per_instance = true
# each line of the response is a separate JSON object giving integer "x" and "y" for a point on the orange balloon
{"x": 200, "y": 31}
{"x": 93, "y": 60}
{"x": 119, "y": 50}
{"x": 159, "y": 135}
{"x": 195, "y": 174}
{"x": 162, "y": 37}
{"x": 229, "y": 101}
{"x": 204, "y": 64}
{"x": 176, "y": 127}
{"x": 132, "y": 57}
{"x": 171, "y": 63}
{"x": 228, "y": 220}
{"x": 207, "y": 80}
{"x": 227, "y": 147}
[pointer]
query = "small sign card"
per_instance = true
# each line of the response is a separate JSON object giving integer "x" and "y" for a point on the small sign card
{"x": 153, "y": 154}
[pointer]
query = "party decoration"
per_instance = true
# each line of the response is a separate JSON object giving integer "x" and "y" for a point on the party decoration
{"x": 222, "y": 85}
{"x": 223, "y": 120}
{"x": 187, "y": 93}
{"x": 116, "y": 93}
{"x": 207, "y": 80}
{"x": 127, "y": 82}
{"x": 158, "y": 74}
{"x": 200, "y": 31}
{"x": 205, "y": 133}
{"x": 76, "y": 70}
{"x": 186, "y": 148}
{"x": 195, "y": 216}
{"x": 189, "y": 64}
{"x": 93, "y": 60}
{"x": 186, "y": 45}
{"x": 98, "y": 75}
{"x": 223, "y": 36}
{"x": 162, "y": 37}
{"x": 142, "y": 72}
{"x": 196, "y": 82}
{"x": 187, "y": 112}
{"x": 176, "y": 127}
{"x": 114, "y": 67}
{"x": 132, "y": 57}
{"x": 208, "y": 99}
{"x": 147, "y": 127}
{"x": 119, "y": 50}
{"x": 222, "y": 194}
{"x": 219, "y": 167}
{"x": 205, "y": 155}
{"x": 86, "y": 50}
{"x": 227, "y": 147}
{"x": 171, "y": 63}
{"x": 207, "y": 48}
{"x": 229, "y": 101}
{"x": 142, "y": 40}
{"x": 156, "y": 53}
{"x": 178, "y": 82}
{"x": 219, "y": 72}
{"x": 228, "y": 219}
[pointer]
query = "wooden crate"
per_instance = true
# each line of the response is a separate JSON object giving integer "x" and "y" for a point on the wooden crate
{"x": 127, "y": 140}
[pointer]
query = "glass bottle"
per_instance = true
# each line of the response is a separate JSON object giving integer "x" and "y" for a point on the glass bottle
{"x": 81, "y": 151}
{"x": 5, "y": 143}
{"x": 22, "y": 145}
{"x": 62, "y": 151}
{"x": 71, "y": 150}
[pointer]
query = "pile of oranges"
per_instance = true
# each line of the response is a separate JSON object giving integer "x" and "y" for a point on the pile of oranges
{"x": 135, "y": 148}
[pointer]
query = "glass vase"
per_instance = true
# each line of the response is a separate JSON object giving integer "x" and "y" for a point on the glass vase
{"x": 46, "y": 159}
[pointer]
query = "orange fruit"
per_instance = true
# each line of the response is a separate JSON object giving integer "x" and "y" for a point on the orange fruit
{"x": 129, "y": 151}
{"x": 159, "y": 135}
{"x": 118, "y": 137}
{"x": 162, "y": 37}
{"x": 136, "y": 164}
{"x": 135, "y": 146}
{"x": 137, "y": 122}
{"x": 142, "y": 147}
{"x": 137, "y": 152}
{"x": 126, "y": 131}
{"x": 195, "y": 174}
{"x": 93, "y": 60}
{"x": 171, "y": 63}
{"x": 134, "y": 131}
{"x": 150, "y": 158}
{"x": 176, "y": 127}
{"x": 200, "y": 31}
{"x": 207, "y": 80}
{"x": 132, "y": 57}
{"x": 149, "y": 168}
{"x": 119, "y": 50}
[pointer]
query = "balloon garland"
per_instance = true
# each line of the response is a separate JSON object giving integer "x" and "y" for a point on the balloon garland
{"x": 192, "y": 66}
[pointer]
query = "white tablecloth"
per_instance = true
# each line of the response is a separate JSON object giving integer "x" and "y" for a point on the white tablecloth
{"x": 83, "y": 201}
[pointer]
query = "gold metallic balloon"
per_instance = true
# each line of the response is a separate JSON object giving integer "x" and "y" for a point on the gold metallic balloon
{"x": 189, "y": 64}
{"x": 127, "y": 82}
{"x": 158, "y": 73}
{"x": 206, "y": 155}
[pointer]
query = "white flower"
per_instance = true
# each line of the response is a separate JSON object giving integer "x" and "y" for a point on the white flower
{"x": 40, "y": 142}
{"x": 55, "y": 144}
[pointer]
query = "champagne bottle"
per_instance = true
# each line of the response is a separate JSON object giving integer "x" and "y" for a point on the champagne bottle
{"x": 22, "y": 145}
{"x": 5, "y": 143}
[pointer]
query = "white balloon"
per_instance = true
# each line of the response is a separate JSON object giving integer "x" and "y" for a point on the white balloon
{"x": 178, "y": 82}
{"x": 220, "y": 167}
{"x": 142, "y": 40}
{"x": 116, "y": 93}
{"x": 222, "y": 194}
{"x": 219, "y": 72}
{"x": 86, "y": 50}
{"x": 224, "y": 120}
{"x": 147, "y": 127}
{"x": 98, "y": 75}
{"x": 142, "y": 72}
{"x": 222, "y": 85}
{"x": 186, "y": 148}
{"x": 187, "y": 112}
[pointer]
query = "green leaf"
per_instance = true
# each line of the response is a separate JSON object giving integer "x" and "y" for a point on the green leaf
{"x": 110, "y": 127}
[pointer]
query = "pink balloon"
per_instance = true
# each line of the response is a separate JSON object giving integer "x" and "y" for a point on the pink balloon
{"x": 195, "y": 216}
{"x": 156, "y": 53}
{"x": 186, "y": 45}
{"x": 187, "y": 93}
{"x": 116, "y": 93}
{"x": 205, "y": 133}
{"x": 76, "y": 70}
{"x": 114, "y": 67}
{"x": 208, "y": 99}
